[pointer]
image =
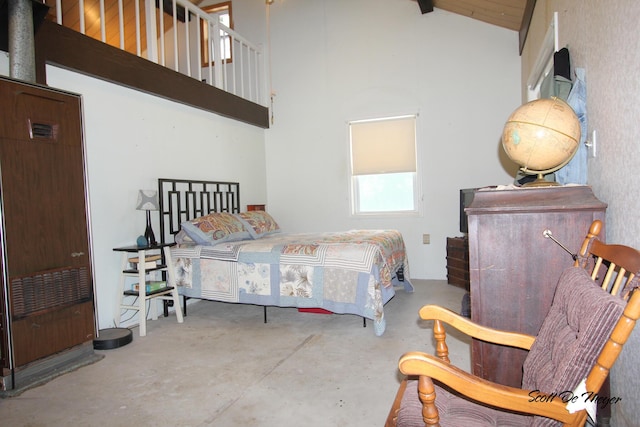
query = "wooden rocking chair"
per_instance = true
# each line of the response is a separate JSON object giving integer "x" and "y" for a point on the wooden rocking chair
{"x": 591, "y": 317}
{"x": 610, "y": 265}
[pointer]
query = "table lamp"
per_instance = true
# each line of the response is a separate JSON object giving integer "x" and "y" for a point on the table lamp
{"x": 148, "y": 201}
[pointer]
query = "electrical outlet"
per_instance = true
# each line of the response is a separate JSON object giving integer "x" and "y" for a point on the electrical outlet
{"x": 426, "y": 239}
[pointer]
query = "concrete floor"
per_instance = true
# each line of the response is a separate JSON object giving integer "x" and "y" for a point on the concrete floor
{"x": 225, "y": 367}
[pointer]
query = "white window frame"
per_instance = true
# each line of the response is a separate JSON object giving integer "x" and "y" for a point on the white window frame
{"x": 354, "y": 201}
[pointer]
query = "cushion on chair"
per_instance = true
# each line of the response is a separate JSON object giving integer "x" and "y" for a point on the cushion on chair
{"x": 579, "y": 323}
{"x": 574, "y": 331}
{"x": 454, "y": 411}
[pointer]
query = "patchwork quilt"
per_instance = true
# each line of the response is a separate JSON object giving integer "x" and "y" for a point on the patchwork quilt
{"x": 353, "y": 272}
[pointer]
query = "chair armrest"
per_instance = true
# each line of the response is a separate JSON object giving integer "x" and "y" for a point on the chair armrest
{"x": 463, "y": 324}
{"x": 481, "y": 390}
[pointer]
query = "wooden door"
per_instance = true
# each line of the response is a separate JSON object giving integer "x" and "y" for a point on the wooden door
{"x": 45, "y": 235}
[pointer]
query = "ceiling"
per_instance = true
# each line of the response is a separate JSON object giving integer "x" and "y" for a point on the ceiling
{"x": 503, "y": 13}
{"x": 510, "y": 14}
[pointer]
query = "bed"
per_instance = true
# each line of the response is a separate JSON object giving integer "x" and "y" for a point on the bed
{"x": 223, "y": 254}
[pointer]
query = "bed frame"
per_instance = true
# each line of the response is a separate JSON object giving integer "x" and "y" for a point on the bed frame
{"x": 182, "y": 199}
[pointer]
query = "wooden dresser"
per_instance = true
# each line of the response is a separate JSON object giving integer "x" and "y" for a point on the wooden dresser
{"x": 514, "y": 268}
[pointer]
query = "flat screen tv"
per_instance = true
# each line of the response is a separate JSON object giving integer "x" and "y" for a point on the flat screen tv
{"x": 466, "y": 197}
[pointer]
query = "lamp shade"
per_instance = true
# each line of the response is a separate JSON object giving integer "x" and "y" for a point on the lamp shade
{"x": 147, "y": 200}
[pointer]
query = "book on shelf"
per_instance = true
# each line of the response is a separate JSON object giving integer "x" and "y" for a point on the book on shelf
{"x": 147, "y": 265}
{"x": 150, "y": 286}
{"x": 151, "y": 261}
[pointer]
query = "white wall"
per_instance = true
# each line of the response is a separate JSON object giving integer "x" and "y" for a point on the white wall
{"x": 602, "y": 38}
{"x": 4, "y": 63}
{"x": 335, "y": 61}
{"x": 132, "y": 139}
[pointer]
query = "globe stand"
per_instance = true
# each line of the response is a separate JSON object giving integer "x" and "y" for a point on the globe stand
{"x": 541, "y": 182}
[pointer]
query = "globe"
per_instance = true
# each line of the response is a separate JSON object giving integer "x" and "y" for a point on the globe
{"x": 541, "y": 136}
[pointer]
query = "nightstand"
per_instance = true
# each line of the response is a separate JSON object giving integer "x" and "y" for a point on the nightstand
{"x": 148, "y": 265}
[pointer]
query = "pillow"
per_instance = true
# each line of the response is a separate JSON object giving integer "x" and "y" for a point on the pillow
{"x": 183, "y": 238}
{"x": 258, "y": 223}
{"x": 216, "y": 227}
{"x": 579, "y": 323}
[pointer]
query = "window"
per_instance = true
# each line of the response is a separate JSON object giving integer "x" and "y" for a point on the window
{"x": 223, "y": 12}
{"x": 383, "y": 166}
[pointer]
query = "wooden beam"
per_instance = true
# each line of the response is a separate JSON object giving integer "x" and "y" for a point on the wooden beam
{"x": 60, "y": 46}
{"x": 526, "y": 22}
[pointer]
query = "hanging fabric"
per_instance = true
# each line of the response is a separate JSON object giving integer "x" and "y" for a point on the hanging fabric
{"x": 575, "y": 172}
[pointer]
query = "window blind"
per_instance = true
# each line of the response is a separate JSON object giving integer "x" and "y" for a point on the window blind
{"x": 383, "y": 146}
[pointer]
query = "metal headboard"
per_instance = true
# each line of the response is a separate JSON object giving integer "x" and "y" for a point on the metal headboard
{"x": 183, "y": 199}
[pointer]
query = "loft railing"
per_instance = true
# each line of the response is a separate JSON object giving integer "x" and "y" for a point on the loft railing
{"x": 175, "y": 34}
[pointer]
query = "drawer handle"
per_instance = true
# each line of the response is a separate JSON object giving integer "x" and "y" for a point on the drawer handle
{"x": 35, "y": 326}
{"x": 76, "y": 254}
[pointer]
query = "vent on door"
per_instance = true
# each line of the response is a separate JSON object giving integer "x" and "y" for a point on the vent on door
{"x": 49, "y": 289}
{"x": 40, "y": 130}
